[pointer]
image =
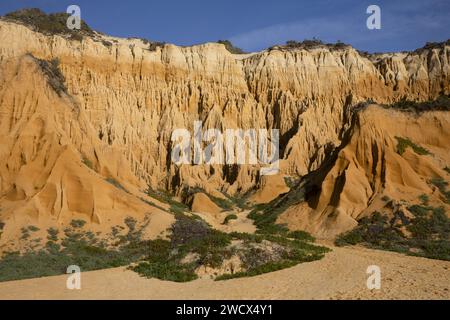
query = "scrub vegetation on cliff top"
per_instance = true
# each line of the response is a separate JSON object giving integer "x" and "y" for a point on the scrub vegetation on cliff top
{"x": 51, "y": 24}
{"x": 230, "y": 47}
{"x": 441, "y": 103}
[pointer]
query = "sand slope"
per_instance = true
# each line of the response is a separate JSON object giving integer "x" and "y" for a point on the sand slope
{"x": 340, "y": 275}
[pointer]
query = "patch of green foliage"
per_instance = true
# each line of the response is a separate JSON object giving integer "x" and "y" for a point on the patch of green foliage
{"x": 404, "y": 143}
{"x": 227, "y": 204}
{"x": 313, "y": 44}
{"x": 211, "y": 247}
{"x": 25, "y": 233}
{"x": 116, "y": 183}
{"x": 441, "y": 103}
{"x": 240, "y": 201}
{"x": 53, "y": 73}
{"x": 301, "y": 235}
{"x": 224, "y": 204}
{"x": 265, "y": 215}
{"x": 264, "y": 218}
{"x": 80, "y": 248}
{"x": 88, "y": 163}
{"x": 430, "y": 233}
{"x": 424, "y": 199}
{"x": 77, "y": 248}
{"x": 152, "y": 45}
{"x": 291, "y": 182}
{"x": 188, "y": 235}
{"x": 229, "y": 217}
{"x": 298, "y": 251}
{"x": 442, "y": 186}
{"x": 33, "y": 228}
{"x": 167, "y": 270}
{"x": 176, "y": 207}
{"x": 77, "y": 223}
{"x": 52, "y": 234}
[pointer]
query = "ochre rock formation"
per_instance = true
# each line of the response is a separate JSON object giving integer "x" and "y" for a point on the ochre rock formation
{"x": 91, "y": 145}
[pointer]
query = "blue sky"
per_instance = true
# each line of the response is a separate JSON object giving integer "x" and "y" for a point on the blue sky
{"x": 254, "y": 25}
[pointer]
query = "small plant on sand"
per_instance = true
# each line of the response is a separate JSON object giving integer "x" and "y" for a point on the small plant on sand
{"x": 77, "y": 223}
{"x": 52, "y": 234}
{"x": 229, "y": 217}
{"x": 115, "y": 183}
{"x": 424, "y": 199}
{"x": 88, "y": 163}
{"x": 442, "y": 185}
{"x": 300, "y": 235}
{"x": 33, "y": 228}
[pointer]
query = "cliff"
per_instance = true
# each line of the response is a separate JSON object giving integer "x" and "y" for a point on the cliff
{"x": 89, "y": 141}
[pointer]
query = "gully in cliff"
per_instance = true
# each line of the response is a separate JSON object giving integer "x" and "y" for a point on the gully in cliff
{"x": 235, "y": 146}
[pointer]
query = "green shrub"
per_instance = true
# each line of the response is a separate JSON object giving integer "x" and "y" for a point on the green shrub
{"x": 229, "y": 217}
{"x": 442, "y": 186}
{"x": 33, "y": 228}
{"x": 291, "y": 182}
{"x": 186, "y": 229}
{"x": 441, "y": 103}
{"x": 52, "y": 234}
{"x": 429, "y": 228}
{"x": 230, "y": 47}
{"x": 77, "y": 223}
{"x": 305, "y": 44}
{"x": 25, "y": 233}
{"x": 171, "y": 271}
{"x": 349, "y": 238}
{"x": 440, "y": 183}
{"x": 225, "y": 204}
{"x": 294, "y": 252}
{"x": 404, "y": 143}
{"x": 88, "y": 163}
{"x": 176, "y": 207}
{"x": 301, "y": 235}
{"x": 424, "y": 199}
{"x": 52, "y": 24}
{"x": 53, "y": 73}
{"x": 115, "y": 183}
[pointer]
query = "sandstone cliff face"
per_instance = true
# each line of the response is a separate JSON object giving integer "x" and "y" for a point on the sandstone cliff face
{"x": 370, "y": 175}
{"x": 114, "y": 123}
